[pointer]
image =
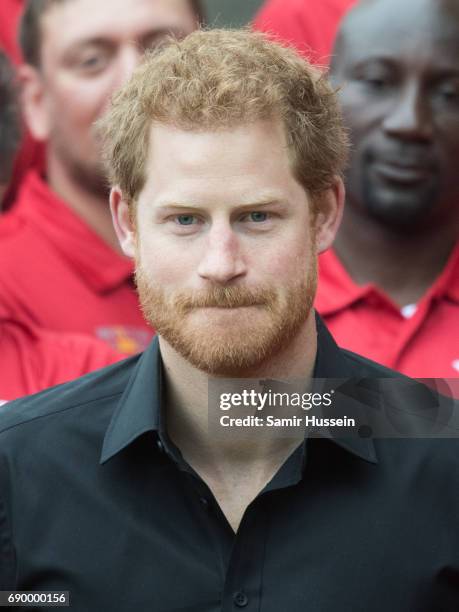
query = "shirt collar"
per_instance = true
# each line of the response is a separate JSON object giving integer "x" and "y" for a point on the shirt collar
{"x": 101, "y": 267}
{"x": 139, "y": 409}
{"x": 447, "y": 284}
{"x": 331, "y": 363}
{"x": 337, "y": 290}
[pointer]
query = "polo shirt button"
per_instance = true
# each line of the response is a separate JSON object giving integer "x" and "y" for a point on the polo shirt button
{"x": 160, "y": 446}
{"x": 204, "y": 502}
{"x": 240, "y": 599}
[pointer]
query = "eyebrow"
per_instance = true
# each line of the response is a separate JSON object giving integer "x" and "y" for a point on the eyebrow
{"x": 393, "y": 61}
{"x": 96, "y": 41}
{"x": 376, "y": 59}
{"x": 173, "y": 31}
{"x": 107, "y": 41}
{"x": 255, "y": 204}
{"x": 265, "y": 203}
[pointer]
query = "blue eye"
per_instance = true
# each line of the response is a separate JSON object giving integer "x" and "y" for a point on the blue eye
{"x": 258, "y": 217}
{"x": 185, "y": 219}
{"x": 90, "y": 62}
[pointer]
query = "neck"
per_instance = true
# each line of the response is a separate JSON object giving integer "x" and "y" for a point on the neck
{"x": 92, "y": 207}
{"x": 187, "y": 406}
{"x": 404, "y": 265}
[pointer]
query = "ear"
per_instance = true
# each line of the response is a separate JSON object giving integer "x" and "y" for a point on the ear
{"x": 122, "y": 222}
{"x": 34, "y": 102}
{"x": 329, "y": 215}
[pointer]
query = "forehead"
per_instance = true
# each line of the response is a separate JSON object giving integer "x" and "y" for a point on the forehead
{"x": 69, "y": 22}
{"x": 227, "y": 164}
{"x": 421, "y": 32}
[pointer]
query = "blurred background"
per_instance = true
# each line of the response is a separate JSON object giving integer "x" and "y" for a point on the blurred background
{"x": 233, "y": 13}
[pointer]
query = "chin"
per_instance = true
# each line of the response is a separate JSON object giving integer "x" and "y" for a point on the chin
{"x": 399, "y": 209}
{"x": 225, "y": 345}
{"x": 236, "y": 360}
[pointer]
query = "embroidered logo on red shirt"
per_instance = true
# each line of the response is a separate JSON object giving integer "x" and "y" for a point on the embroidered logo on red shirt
{"x": 126, "y": 340}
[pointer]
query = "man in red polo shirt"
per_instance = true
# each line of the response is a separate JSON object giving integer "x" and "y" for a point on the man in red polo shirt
{"x": 309, "y": 25}
{"x": 61, "y": 264}
{"x": 390, "y": 288}
{"x": 33, "y": 359}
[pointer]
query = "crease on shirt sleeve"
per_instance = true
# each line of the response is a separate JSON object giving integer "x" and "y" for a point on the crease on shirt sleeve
{"x": 7, "y": 554}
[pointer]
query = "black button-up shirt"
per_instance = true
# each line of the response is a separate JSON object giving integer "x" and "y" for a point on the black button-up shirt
{"x": 95, "y": 500}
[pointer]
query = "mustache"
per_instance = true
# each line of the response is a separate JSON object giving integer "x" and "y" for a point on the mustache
{"x": 224, "y": 297}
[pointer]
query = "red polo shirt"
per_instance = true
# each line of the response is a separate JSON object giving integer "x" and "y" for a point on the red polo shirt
{"x": 56, "y": 273}
{"x": 32, "y": 360}
{"x": 309, "y": 25}
{"x": 421, "y": 340}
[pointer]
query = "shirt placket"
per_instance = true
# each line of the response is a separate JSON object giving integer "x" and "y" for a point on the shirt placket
{"x": 244, "y": 577}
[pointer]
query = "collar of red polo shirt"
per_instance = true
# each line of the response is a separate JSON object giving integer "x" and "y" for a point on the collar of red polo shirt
{"x": 337, "y": 290}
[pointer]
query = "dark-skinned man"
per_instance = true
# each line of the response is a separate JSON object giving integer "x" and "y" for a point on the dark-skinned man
{"x": 390, "y": 287}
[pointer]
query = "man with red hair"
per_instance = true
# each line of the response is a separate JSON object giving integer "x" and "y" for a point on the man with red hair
{"x": 130, "y": 489}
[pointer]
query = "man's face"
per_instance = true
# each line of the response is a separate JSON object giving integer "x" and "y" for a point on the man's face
{"x": 225, "y": 253}
{"x": 399, "y": 71}
{"x": 90, "y": 48}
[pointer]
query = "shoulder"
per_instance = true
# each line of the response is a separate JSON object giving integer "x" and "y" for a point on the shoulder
{"x": 12, "y": 227}
{"x": 19, "y": 243}
{"x": 77, "y": 354}
{"x": 47, "y": 410}
{"x": 415, "y": 422}
{"x": 420, "y": 397}
{"x": 364, "y": 367}
{"x": 20, "y": 226}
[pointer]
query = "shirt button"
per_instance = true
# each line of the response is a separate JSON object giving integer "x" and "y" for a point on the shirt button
{"x": 240, "y": 599}
{"x": 204, "y": 502}
{"x": 160, "y": 446}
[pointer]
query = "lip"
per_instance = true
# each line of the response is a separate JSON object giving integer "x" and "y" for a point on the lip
{"x": 401, "y": 172}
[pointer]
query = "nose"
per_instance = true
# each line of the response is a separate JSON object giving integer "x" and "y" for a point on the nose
{"x": 410, "y": 117}
{"x": 129, "y": 58}
{"x": 223, "y": 261}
